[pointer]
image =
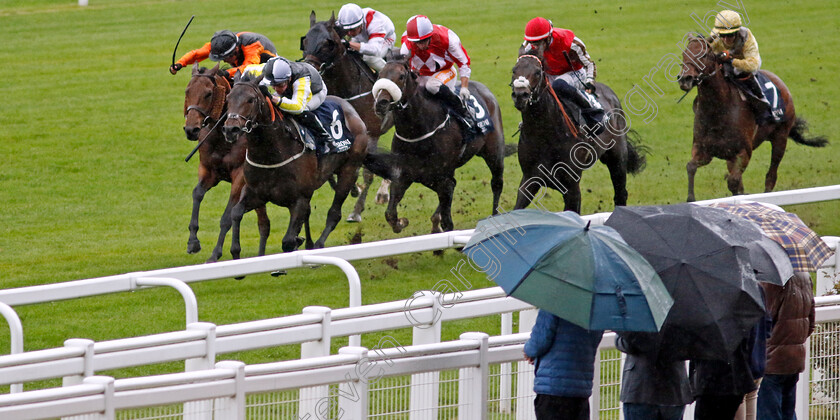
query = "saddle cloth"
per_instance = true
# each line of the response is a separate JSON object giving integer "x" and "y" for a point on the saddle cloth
{"x": 478, "y": 108}
{"x": 777, "y": 103}
{"x": 332, "y": 118}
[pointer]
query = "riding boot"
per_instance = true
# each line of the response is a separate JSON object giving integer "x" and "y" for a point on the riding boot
{"x": 762, "y": 108}
{"x": 454, "y": 103}
{"x": 310, "y": 121}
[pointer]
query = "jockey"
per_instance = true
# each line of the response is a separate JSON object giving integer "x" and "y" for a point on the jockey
{"x": 371, "y": 33}
{"x": 566, "y": 62}
{"x": 432, "y": 52}
{"x": 239, "y": 50}
{"x": 299, "y": 91}
{"x": 737, "y": 46}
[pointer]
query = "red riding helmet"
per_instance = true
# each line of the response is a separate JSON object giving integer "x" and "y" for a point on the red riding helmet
{"x": 537, "y": 28}
{"x": 418, "y": 28}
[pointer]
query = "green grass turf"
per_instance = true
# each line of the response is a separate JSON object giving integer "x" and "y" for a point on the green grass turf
{"x": 93, "y": 181}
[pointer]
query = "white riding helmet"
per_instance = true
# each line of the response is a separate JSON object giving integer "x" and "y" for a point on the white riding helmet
{"x": 350, "y": 16}
{"x": 277, "y": 70}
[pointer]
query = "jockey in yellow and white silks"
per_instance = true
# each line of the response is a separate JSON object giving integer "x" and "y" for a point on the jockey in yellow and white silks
{"x": 299, "y": 91}
{"x": 371, "y": 33}
{"x": 736, "y": 45}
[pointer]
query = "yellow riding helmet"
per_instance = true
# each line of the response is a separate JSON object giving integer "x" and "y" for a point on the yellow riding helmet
{"x": 727, "y": 22}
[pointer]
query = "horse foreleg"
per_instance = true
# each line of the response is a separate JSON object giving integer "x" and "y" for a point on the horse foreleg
{"x": 346, "y": 181}
{"x": 446, "y": 190}
{"x": 247, "y": 202}
{"x": 398, "y": 189}
{"x": 698, "y": 159}
{"x": 298, "y": 215}
{"x": 529, "y": 186}
{"x": 264, "y": 226}
{"x": 779, "y": 144}
{"x": 617, "y": 165}
{"x": 356, "y": 215}
{"x": 736, "y": 168}
{"x": 237, "y": 184}
{"x": 193, "y": 244}
{"x": 571, "y": 198}
{"x": 382, "y": 196}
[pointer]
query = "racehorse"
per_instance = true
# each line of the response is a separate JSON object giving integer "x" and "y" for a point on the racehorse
{"x": 553, "y": 152}
{"x": 724, "y": 123}
{"x": 280, "y": 169}
{"x": 204, "y": 105}
{"x": 348, "y": 77}
{"x": 428, "y": 144}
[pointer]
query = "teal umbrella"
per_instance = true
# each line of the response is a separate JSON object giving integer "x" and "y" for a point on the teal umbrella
{"x": 584, "y": 274}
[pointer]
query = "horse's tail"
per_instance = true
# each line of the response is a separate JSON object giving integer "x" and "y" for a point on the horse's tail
{"x": 381, "y": 164}
{"x": 511, "y": 149}
{"x": 636, "y": 153}
{"x": 797, "y": 133}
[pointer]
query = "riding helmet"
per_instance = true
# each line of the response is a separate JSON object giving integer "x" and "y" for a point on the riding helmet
{"x": 418, "y": 28}
{"x": 537, "y": 28}
{"x": 350, "y": 16}
{"x": 223, "y": 44}
{"x": 727, "y": 22}
{"x": 277, "y": 70}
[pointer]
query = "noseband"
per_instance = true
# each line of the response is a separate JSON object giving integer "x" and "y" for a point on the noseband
{"x": 250, "y": 122}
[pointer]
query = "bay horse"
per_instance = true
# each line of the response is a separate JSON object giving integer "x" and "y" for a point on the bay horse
{"x": 280, "y": 169}
{"x": 348, "y": 77}
{"x": 553, "y": 152}
{"x": 205, "y": 103}
{"x": 428, "y": 144}
{"x": 725, "y": 124}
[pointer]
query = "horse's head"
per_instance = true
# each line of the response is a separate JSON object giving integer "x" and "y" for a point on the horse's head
{"x": 204, "y": 101}
{"x": 249, "y": 106}
{"x": 698, "y": 62}
{"x": 396, "y": 84}
{"x": 322, "y": 44}
{"x": 527, "y": 81}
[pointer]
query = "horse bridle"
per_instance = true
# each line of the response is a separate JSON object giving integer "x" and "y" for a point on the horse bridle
{"x": 250, "y": 123}
{"x": 702, "y": 76}
{"x": 536, "y": 91}
{"x": 207, "y": 117}
{"x": 328, "y": 64}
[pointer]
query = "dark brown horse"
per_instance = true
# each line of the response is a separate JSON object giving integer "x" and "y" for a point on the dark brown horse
{"x": 553, "y": 152}
{"x": 219, "y": 160}
{"x": 725, "y": 124}
{"x": 280, "y": 169}
{"x": 348, "y": 77}
{"x": 428, "y": 145}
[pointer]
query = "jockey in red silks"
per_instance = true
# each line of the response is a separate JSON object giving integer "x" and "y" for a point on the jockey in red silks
{"x": 371, "y": 33}
{"x": 566, "y": 62}
{"x": 433, "y": 51}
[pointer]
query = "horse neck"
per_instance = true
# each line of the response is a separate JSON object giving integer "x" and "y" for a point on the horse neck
{"x": 271, "y": 142}
{"x": 545, "y": 112}
{"x": 716, "y": 92}
{"x": 421, "y": 115}
{"x": 346, "y": 78}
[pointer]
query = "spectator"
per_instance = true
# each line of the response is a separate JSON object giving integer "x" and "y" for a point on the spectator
{"x": 652, "y": 387}
{"x": 720, "y": 386}
{"x": 563, "y": 355}
{"x": 792, "y": 311}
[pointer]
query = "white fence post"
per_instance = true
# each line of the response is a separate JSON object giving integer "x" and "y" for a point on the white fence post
{"x": 232, "y": 408}
{"x": 15, "y": 337}
{"x": 353, "y": 401}
{"x": 803, "y": 387}
{"x": 505, "y": 369}
{"x": 352, "y": 280}
{"x": 524, "y": 374}
{"x": 472, "y": 382}
{"x": 310, "y": 398}
{"x": 201, "y": 410}
{"x": 425, "y": 389}
{"x": 86, "y": 346}
{"x": 108, "y": 395}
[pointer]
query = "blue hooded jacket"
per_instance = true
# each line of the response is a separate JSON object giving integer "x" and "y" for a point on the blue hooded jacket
{"x": 564, "y": 356}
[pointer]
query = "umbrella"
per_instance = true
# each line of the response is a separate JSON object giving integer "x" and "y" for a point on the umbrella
{"x": 804, "y": 247}
{"x": 704, "y": 261}
{"x": 586, "y": 275}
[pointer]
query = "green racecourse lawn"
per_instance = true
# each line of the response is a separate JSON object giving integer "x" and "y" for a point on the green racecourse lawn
{"x": 94, "y": 183}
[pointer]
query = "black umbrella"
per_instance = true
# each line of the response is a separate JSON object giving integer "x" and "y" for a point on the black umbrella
{"x": 704, "y": 260}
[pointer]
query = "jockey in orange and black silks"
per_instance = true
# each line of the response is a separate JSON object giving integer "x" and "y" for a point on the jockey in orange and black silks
{"x": 237, "y": 49}
{"x": 736, "y": 45}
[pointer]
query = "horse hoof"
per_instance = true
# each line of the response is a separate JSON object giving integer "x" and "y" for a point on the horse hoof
{"x": 193, "y": 247}
{"x": 355, "y": 191}
{"x": 278, "y": 273}
{"x": 354, "y": 218}
{"x": 382, "y": 199}
{"x": 438, "y": 253}
{"x": 239, "y": 278}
